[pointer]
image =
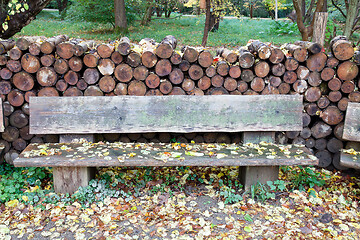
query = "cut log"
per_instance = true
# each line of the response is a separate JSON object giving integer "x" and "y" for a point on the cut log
{"x": 65, "y": 50}
{"x": 184, "y": 66}
{"x": 278, "y": 69}
{"x": 298, "y": 52}
{"x": 190, "y": 54}
{"x": 335, "y": 96}
{"x": 270, "y": 90}
{"x": 327, "y": 74}
{"x": 312, "y": 109}
{"x": 15, "y": 98}
{"x": 196, "y": 92}
{"x": 48, "y": 92}
{"x": 347, "y": 86}
{"x": 75, "y": 64}
{"x": 332, "y": 115}
{"x": 163, "y": 67}
{"x": 6, "y": 45}
{"x": 290, "y": 77}
{"x": 149, "y": 59}
{"x": 262, "y": 69}
{"x": 312, "y": 94}
{"x": 334, "y": 145}
{"x": 303, "y": 72}
{"x": 306, "y": 119}
{"x": 316, "y": 62}
{"x": 152, "y": 81}
{"x": 105, "y": 50}
{"x": 332, "y": 62}
{"x": 106, "y": 67}
{"x": 217, "y": 81}
{"x": 10, "y": 134}
{"x": 91, "y": 60}
{"x": 61, "y": 66}
{"x": 188, "y": 85}
{"x": 165, "y": 87}
{"x": 314, "y": 79}
{"x": 124, "y": 47}
{"x": 18, "y": 119}
{"x": 15, "y": 53}
{"x": 117, "y": 58}
{"x": 153, "y": 92}
{"x": 61, "y": 85}
{"x": 30, "y": 63}
{"x": 334, "y": 84}
{"x": 177, "y": 91}
{"x": 93, "y": 91}
{"x": 8, "y": 109}
{"x": 247, "y": 75}
{"x": 321, "y": 130}
{"x": 222, "y": 68}
{"x": 291, "y": 64}
{"x": 175, "y": 58}
{"x": 277, "y": 56}
{"x": 195, "y": 72}
{"x": 263, "y": 51}
{"x": 46, "y": 76}
{"x": 121, "y": 89}
{"x": 242, "y": 86}
{"x": 204, "y": 83}
{"x": 347, "y": 71}
{"x": 257, "y": 84}
{"x": 274, "y": 81}
{"x": 217, "y": 91}
{"x": 141, "y": 73}
{"x": 354, "y": 96}
{"x": 235, "y": 71}
{"x": 48, "y": 46}
{"x": 341, "y": 48}
{"x": 230, "y": 84}
{"x": 310, "y": 143}
{"x": 176, "y": 76}
{"x": 320, "y": 144}
{"x": 300, "y": 86}
{"x": 72, "y": 91}
{"x": 107, "y": 84}
{"x": 71, "y": 77}
{"x": 246, "y": 59}
{"x": 210, "y": 71}
{"x": 3, "y": 60}
{"x": 292, "y": 134}
{"x": 123, "y": 73}
{"x": 312, "y": 47}
{"x": 81, "y": 85}
{"x": 23, "y": 81}
{"x": 34, "y": 49}
{"x": 324, "y": 157}
{"x": 205, "y": 59}
{"x": 323, "y": 102}
{"x": 133, "y": 59}
{"x": 47, "y": 60}
{"x": 24, "y": 133}
{"x": 284, "y": 88}
{"x": 338, "y": 131}
{"x": 229, "y": 55}
{"x": 29, "y": 94}
{"x": 166, "y": 47}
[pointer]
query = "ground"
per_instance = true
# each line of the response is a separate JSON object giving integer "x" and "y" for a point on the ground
{"x": 191, "y": 203}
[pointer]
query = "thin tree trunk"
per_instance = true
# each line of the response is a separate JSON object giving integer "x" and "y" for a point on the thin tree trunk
{"x": 147, "y": 16}
{"x": 350, "y": 18}
{"x": 62, "y": 4}
{"x": 120, "y": 16}
{"x": 207, "y": 23}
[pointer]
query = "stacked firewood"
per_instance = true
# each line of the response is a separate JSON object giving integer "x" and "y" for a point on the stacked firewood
{"x": 58, "y": 66}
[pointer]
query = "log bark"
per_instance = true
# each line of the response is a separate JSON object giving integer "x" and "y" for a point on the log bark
{"x": 166, "y": 47}
{"x": 123, "y": 73}
{"x": 341, "y": 48}
{"x": 152, "y": 81}
{"x": 205, "y": 59}
{"x": 347, "y": 71}
{"x": 107, "y": 84}
{"x": 23, "y": 81}
{"x": 190, "y": 54}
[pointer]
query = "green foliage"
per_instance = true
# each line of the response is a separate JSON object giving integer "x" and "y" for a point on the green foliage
{"x": 303, "y": 177}
{"x": 284, "y": 28}
{"x": 230, "y": 195}
{"x": 267, "y": 191}
{"x": 15, "y": 181}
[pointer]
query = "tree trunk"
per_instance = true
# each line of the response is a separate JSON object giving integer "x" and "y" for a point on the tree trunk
{"x": 207, "y": 24}
{"x": 147, "y": 16}
{"x": 62, "y": 4}
{"x": 350, "y": 17}
{"x": 120, "y": 16}
{"x": 21, "y": 19}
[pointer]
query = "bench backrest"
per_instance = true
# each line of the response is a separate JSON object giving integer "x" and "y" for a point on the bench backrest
{"x": 141, "y": 114}
{"x": 1, "y": 117}
{"x": 352, "y": 122}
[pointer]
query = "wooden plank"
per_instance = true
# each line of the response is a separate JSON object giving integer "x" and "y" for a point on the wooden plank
{"x": 157, "y": 154}
{"x": 1, "y": 117}
{"x": 352, "y": 123}
{"x": 350, "y": 161}
{"x": 138, "y": 114}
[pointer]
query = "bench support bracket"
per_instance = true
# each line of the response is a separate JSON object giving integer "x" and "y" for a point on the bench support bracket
{"x": 251, "y": 175}
{"x": 69, "y": 179}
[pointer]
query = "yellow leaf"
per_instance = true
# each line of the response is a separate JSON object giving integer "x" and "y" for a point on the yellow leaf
{"x": 248, "y": 229}
{"x": 12, "y": 203}
{"x": 25, "y": 198}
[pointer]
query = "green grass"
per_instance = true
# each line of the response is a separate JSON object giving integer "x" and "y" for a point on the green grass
{"x": 188, "y": 30}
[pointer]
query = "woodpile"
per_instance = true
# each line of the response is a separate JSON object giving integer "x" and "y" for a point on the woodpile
{"x": 58, "y": 66}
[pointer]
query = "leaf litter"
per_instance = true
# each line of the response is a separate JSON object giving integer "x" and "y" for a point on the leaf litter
{"x": 191, "y": 203}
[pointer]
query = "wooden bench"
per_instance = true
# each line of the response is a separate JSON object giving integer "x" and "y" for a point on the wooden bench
{"x": 2, "y": 127}
{"x": 259, "y": 117}
{"x": 351, "y": 158}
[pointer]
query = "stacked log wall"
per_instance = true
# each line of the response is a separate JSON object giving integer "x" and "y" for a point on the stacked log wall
{"x": 59, "y": 66}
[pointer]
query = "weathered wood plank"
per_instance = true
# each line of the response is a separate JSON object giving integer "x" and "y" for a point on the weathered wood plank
{"x": 352, "y": 123}
{"x": 1, "y": 117}
{"x": 157, "y": 154}
{"x": 135, "y": 114}
{"x": 350, "y": 161}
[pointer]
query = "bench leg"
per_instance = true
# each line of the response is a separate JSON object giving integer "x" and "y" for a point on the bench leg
{"x": 69, "y": 179}
{"x": 250, "y": 175}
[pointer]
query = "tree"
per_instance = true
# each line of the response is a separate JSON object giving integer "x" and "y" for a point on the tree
{"x": 305, "y": 19}
{"x": 16, "y": 14}
{"x": 120, "y": 16}
{"x": 62, "y": 4}
{"x": 352, "y": 15}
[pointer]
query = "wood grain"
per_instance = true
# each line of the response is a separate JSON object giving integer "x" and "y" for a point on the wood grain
{"x": 352, "y": 123}
{"x": 134, "y": 114}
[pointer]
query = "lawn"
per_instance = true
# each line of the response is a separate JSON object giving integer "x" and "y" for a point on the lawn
{"x": 187, "y": 29}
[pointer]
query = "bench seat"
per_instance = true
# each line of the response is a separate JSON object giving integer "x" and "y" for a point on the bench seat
{"x": 350, "y": 160}
{"x": 160, "y": 154}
